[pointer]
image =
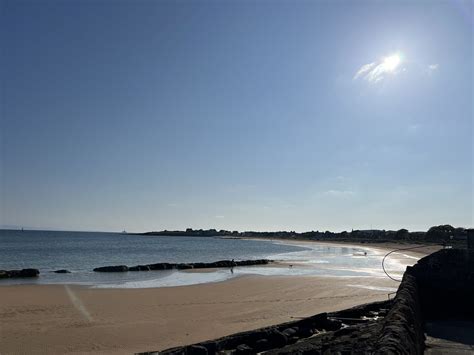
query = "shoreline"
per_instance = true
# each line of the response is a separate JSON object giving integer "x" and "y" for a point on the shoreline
{"x": 424, "y": 249}
{"x": 378, "y": 249}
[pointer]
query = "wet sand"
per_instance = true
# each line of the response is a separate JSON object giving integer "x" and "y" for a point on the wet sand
{"x": 59, "y": 319}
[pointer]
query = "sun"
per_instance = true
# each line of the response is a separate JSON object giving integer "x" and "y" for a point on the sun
{"x": 392, "y": 62}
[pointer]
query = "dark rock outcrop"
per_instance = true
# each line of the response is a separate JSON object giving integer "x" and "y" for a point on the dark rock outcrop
{"x": 161, "y": 266}
{"x": 62, "y": 271}
{"x": 244, "y": 349}
{"x": 118, "y": 268}
{"x": 294, "y": 337}
{"x": 197, "y": 350}
{"x": 139, "y": 268}
{"x": 356, "y": 339}
{"x": 169, "y": 266}
{"x": 15, "y": 274}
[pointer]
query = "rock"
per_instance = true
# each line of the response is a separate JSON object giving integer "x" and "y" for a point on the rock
{"x": 139, "y": 268}
{"x": 160, "y": 266}
{"x": 244, "y": 349}
{"x": 305, "y": 336}
{"x": 169, "y": 266}
{"x": 200, "y": 265}
{"x": 119, "y": 268}
{"x": 290, "y": 332}
{"x": 24, "y": 273}
{"x": 210, "y": 345}
{"x": 62, "y": 271}
{"x": 29, "y": 273}
{"x": 184, "y": 266}
{"x": 278, "y": 339}
{"x": 196, "y": 350}
{"x": 262, "y": 344}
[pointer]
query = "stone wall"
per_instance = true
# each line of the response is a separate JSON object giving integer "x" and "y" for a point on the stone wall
{"x": 402, "y": 328}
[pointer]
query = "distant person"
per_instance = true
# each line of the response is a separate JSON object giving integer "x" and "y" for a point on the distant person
{"x": 232, "y": 264}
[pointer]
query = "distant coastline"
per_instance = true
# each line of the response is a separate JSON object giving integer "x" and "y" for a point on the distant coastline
{"x": 442, "y": 234}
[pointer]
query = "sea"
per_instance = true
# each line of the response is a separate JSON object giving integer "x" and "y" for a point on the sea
{"x": 81, "y": 252}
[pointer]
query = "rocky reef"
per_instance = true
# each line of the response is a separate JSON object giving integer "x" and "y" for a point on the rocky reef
{"x": 62, "y": 271}
{"x": 16, "y": 274}
{"x": 169, "y": 266}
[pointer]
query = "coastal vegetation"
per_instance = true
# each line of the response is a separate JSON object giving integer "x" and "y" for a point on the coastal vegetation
{"x": 436, "y": 235}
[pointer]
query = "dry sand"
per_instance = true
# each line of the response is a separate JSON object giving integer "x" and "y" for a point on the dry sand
{"x": 59, "y": 319}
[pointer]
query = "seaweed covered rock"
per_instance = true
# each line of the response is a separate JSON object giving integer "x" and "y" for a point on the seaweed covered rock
{"x": 118, "y": 268}
{"x": 16, "y": 274}
{"x": 183, "y": 266}
{"x": 62, "y": 271}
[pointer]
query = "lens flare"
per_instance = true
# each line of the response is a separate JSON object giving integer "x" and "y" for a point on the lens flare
{"x": 392, "y": 62}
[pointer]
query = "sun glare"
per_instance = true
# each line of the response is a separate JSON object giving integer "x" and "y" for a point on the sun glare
{"x": 392, "y": 62}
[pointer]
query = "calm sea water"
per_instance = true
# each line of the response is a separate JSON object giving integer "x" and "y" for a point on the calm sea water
{"x": 80, "y": 252}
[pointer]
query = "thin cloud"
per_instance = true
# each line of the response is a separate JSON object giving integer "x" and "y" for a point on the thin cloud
{"x": 364, "y": 70}
{"x": 432, "y": 68}
{"x": 377, "y": 71}
{"x": 413, "y": 128}
{"x": 339, "y": 193}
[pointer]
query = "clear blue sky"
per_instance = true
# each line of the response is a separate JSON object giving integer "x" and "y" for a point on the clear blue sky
{"x": 247, "y": 115}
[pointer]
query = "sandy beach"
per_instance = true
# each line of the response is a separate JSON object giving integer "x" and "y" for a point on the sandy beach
{"x": 60, "y": 319}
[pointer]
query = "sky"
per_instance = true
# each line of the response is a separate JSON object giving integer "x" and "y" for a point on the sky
{"x": 238, "y": 115}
